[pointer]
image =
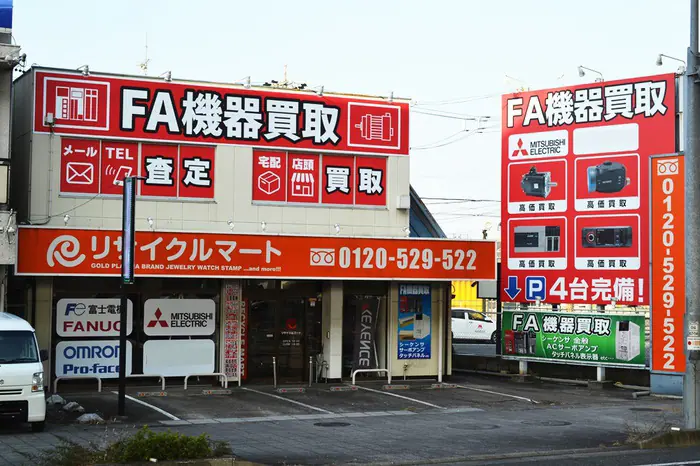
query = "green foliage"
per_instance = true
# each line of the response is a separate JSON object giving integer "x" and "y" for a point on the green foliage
{"x": 140, "y": 447}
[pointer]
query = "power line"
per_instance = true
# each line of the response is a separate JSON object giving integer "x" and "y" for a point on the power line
{"x": 456, "y": 101}
{"x": 458, "y": 199}
{"x": 451, "y": 115}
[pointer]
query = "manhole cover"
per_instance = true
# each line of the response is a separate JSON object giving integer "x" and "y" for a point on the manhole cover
{"x": 474, "y": 426}
{"x": 547, "y": 423}
{"x": 652, "y": 410}
{"x": 332, "y": 424}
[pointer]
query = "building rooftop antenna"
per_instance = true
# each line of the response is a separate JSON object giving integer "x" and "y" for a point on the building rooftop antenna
{"x": 144, "y": 64}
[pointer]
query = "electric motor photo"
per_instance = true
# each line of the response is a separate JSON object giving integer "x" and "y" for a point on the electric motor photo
{"x": 537, "y": 184}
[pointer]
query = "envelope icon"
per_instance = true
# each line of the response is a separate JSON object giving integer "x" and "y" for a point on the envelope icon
{"x": 79, "y": 173}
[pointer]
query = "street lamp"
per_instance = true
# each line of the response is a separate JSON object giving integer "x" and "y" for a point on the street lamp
{"x": 660, "y": 61}
{"x": 127, "y": 278}
{"x": 582, "y": 73}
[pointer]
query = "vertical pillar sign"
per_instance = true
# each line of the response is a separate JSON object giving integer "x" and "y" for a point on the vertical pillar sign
{"x": 668, "y": 267}
{"x": 128, "y": 210}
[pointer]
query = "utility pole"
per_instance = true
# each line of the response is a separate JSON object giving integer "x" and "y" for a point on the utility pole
{"x": 691, "y": 381}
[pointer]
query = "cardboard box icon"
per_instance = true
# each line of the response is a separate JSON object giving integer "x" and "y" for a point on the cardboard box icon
{"x": 269, "y": 183}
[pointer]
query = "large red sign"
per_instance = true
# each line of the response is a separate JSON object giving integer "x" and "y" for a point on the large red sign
{"x": 667, "y": 264}
{"x": 62, "y": 251}
{"x": 152, "y": 109}
{"x": 319, "y": 179}
{"x": 575, "y": 185}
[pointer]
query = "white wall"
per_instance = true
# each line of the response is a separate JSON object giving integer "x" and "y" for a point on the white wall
{"x": 232, "y": 201}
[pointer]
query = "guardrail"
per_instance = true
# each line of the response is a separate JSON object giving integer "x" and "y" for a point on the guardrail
{"x": 78, "y": 377}
{"x": 211, "y": 374}
{"x": 356, "y": 371}
{"x": 161, "y": 377}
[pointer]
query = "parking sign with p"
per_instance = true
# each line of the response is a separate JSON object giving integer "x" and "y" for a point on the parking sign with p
{"x": 535, "y": 288}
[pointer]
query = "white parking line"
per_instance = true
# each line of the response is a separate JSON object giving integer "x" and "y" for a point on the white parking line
{"x": 288, "y": 400}
{"x": 498, "y": 393}
{"x": 672, "y": 464}
{"x": 400, "y": 396}
{"x": 154, "y": 408}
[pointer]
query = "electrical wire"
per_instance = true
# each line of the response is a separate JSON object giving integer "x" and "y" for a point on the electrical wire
{"x": 435, "y": 145}
{"x": 452, "y": 116}
{"x": 47, "y": 219}
{"x": 458, "y": 199}
{"x": 456, "y": 101}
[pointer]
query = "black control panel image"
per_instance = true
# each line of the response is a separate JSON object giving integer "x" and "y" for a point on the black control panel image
{"x": 536, "y": 238}
{"x": 606, "y": 237}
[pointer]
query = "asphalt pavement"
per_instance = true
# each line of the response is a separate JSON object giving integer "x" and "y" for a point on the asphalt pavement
{"x": 474, "y": 420}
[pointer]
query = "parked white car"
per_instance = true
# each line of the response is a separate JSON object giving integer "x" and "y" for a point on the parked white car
{"x": 21, "y": 373}
{"x": 470, "y": 324}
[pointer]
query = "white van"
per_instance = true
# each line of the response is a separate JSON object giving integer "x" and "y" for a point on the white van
{"x": 21, "y": 373}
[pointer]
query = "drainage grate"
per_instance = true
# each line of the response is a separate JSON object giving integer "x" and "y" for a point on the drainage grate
{"x": 651, "y": 410}
{"x": 332, "y": 424}
{"x": 474, "y": 426}
{"x": 547, "y": 423}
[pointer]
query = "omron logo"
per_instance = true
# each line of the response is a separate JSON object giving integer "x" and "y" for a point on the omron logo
{"x": 158, "y": 320}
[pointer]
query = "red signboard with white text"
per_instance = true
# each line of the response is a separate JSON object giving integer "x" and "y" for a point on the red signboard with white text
{"x": 80, "y": 166}
{"x": 668, "y": 265}
{"x": 98, "y": 167}
{"x": 159, "y": 111}
{"x": 313, "y": 179}
{"x": 80, "y": 252}
{"x": 575, "y": 185}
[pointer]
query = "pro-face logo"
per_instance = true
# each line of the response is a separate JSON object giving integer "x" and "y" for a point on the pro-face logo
{"x": 188, "y": 317}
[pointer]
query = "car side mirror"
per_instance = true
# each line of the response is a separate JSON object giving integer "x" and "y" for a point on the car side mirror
{"x": 44, "y": 355}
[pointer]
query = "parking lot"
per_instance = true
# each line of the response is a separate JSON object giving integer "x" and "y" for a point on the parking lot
{"x": 204, "y": 403}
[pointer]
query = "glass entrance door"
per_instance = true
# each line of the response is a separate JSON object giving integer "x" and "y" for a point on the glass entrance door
{"x": 291, "y": 347}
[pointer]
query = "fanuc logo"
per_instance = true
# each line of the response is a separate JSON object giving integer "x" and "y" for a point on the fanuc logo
{"x": 158, "y": 321}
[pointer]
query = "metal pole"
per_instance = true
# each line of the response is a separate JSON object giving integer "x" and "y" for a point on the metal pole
{"x": 123, "y": 311}
{"x": 311, "y": 369}
{"x": 691, "y": 391}
{"x": 499, "y": 312}
{"x": 274, "y": 371}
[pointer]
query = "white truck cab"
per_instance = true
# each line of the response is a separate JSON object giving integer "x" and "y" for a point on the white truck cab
{"x": 21, "y": 373}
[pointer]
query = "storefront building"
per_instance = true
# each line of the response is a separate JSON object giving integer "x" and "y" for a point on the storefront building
{"x": 272, "y": 224}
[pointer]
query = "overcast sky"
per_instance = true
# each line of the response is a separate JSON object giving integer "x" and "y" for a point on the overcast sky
{"x": 428, "y": 51}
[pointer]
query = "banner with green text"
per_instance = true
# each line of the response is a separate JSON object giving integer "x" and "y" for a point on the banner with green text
{"x": 599, "y": 339}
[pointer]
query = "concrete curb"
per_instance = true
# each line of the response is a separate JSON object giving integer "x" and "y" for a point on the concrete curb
{"x": 504, "y": 456}
{"x": 204, "y": 462}
{"x": 343, "y": 388}
{"x": 681, "y": 438}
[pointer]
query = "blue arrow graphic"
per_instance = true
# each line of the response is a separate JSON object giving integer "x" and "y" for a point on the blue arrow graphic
{"x": 512, "y": 291}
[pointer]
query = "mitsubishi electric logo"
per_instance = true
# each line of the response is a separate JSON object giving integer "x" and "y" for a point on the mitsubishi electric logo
{"x": 520, "y": 149}
{"x": 157, "y": 320}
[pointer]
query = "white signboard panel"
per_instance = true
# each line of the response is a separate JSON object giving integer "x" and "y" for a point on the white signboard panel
{"x": 177, "y": 358}
{"x": 98, "y": 358}
{"x": 91, "y": 317}
{"x": 179, "y": 317}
